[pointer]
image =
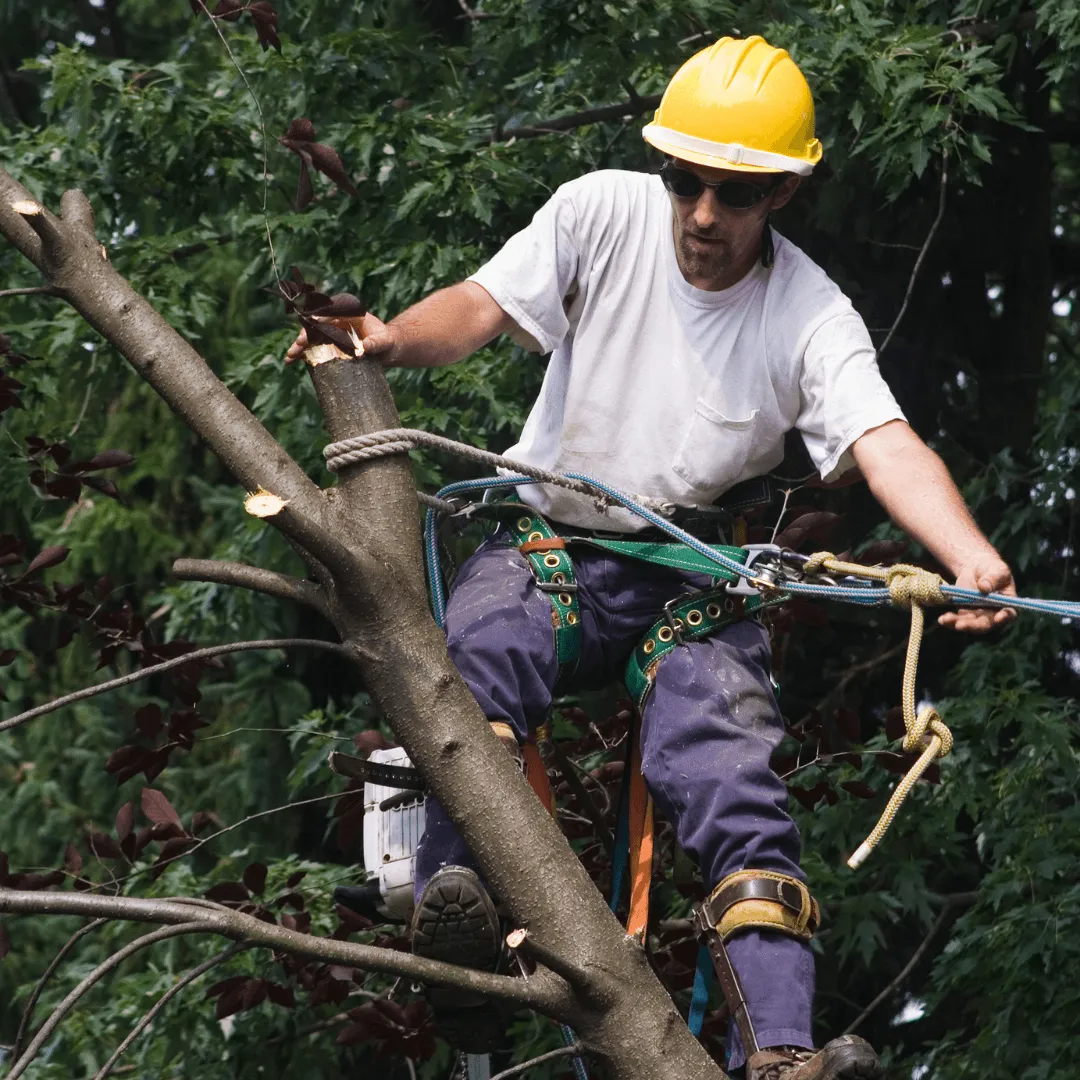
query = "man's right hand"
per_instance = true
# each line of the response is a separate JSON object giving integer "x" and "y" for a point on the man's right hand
{"x": 376, "y": 337}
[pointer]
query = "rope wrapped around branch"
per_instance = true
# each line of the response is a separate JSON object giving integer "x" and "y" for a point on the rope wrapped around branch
{"x": 910, "y": 587}
{"x": 401, "y": 440}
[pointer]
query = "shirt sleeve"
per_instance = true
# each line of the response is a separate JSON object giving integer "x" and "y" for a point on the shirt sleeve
{"x": 842, "y": 393}
{"x": 534, "y": 272}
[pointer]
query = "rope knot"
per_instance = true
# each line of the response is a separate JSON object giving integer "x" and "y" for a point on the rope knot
{"x": 816, "y": 563}
{"x": 929, "y": 720}
{"x": 913, "y": 585}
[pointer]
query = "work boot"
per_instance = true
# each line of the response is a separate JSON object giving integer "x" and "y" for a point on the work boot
{"x": 846, "y": 1058}
{"x": 455, "y": 921}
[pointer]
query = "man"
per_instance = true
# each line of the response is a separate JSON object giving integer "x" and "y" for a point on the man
{"x": 686, "y": 337}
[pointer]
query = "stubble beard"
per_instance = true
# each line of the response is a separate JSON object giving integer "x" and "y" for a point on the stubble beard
{"x": 703, "y": 263}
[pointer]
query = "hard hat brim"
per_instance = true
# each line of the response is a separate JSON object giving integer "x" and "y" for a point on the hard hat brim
{"x": 715, "y": 155}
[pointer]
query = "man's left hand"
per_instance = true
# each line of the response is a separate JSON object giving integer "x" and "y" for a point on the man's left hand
{"x": 987, "y": 574}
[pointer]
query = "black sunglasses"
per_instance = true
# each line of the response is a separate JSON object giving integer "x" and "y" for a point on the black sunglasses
{"x": 738, "y": 194}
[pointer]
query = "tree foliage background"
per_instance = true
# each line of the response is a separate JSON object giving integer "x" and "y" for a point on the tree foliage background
{"x": 955, "y": 121}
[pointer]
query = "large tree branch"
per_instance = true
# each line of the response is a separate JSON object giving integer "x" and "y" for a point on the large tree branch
{"x": 166, "y": 665}
{"x": 544, "y": 990}
{"x": 256, "y": 578}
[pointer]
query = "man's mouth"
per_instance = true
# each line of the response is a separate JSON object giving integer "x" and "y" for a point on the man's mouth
{"x": 711, "y": 240}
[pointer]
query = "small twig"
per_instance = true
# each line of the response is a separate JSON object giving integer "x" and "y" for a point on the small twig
{"x": 951, "y": 902}
{"x": 95, "y": 976}
{"x": 922, "y": 254}
{"x": 262, "y": 129}
{"x": 588, "y": 807}
{"x": 86, "y": 395}
{"x": 572, "y": 1050}
{"x": 409, "y": 1061}
{"x": 251, "y": 577}
{"x": 166, "y": 665}
{"x": 228, "y": 829}
{"x": 148, "y": 1019}
{"x": 28, "y": 1012}
{"x": 783, "y": 510}
{"x": 33, "y": 290}
{"x": 276, "y": 731}
{"x": 472, "y": 14}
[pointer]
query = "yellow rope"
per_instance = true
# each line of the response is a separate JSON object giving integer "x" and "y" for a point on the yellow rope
{"x": 909, "y": 586}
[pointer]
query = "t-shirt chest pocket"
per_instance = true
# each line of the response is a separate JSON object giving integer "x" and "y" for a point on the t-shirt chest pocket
{"x": 715, "y": 448}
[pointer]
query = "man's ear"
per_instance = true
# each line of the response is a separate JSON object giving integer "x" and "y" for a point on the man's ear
{"x": 784, "y": 190}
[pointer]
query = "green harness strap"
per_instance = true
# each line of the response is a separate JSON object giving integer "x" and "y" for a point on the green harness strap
{"x": 546, "y": 553}
{"x": 688, "y": 618}
{"x": 685, "y": 619}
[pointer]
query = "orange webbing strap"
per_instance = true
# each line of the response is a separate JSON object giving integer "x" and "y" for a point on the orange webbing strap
{"x": 536, "y": 774}
{"x": 641, "y": 843}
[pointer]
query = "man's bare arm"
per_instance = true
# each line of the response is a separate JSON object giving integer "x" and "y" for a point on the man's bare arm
{"x": 913, "y": 485}
{"x": 441, "y": 329}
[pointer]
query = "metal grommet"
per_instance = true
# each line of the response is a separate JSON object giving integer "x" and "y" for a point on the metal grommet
{"x": 571, "y": 619}
{"x": 534, "y": 536}
{"x": 729, "y": 606}
{"x": 713, "y": 611}
{"x": 557, "y": 579}
{"x": 551, "y": 560}
{"x": 649, "y": 646}
{"x": 565, "y": 599}
{"x": 523, "y": 524}
{"x": 694, "y": 617}
{"x": 665, "y": 634}
{"x": 678, "y": 624}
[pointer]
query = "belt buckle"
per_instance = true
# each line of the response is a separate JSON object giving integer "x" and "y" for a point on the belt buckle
{"x": 557, "y": 586}
{"x": 672, "y": 622}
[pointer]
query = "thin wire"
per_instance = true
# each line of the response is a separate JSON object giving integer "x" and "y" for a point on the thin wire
{"x": 262, "y": 130}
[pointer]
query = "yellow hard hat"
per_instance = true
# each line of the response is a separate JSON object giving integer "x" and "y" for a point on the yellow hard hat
{"x": 739, "y": 104}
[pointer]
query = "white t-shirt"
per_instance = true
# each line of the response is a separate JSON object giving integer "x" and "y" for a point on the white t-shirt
{"x": 661, "y": 389}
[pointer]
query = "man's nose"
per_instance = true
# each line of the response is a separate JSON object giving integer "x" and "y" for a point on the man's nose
{"x": 707, "y": 210}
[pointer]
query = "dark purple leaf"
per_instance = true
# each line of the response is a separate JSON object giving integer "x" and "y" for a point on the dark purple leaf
{"x": 859, "y": 789}
{"x": 255, "y": 878}
{"x": 104, "y": 846}
{"x": 847, "y": 720}
{"x": 48, "y": 557}
{"x": 64, "y": 487}
{"x": 125, "y": 821}
{"x": 228, "y": 892}
{"x": 73, "y": 862}
{"x": 158, "y": 808}
{"x": 110, "y": 459}
{"x": 149, "y": 720}
{"x": 281, "y": 995}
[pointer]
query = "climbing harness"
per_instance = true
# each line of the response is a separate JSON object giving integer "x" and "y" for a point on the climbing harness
{"x": 764, "y": 574}
{"x": 746, "y": 580}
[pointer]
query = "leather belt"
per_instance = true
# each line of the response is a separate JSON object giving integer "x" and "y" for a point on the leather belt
{"x": 786, "y": 893}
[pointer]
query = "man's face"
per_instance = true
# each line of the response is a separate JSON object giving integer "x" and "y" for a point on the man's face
{"x": 717, "y": 245}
